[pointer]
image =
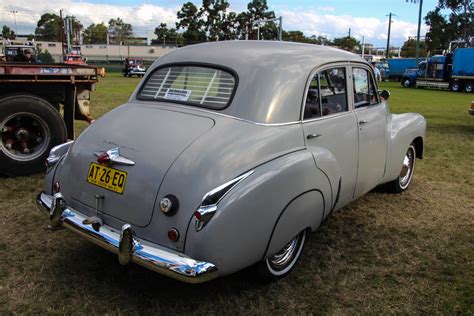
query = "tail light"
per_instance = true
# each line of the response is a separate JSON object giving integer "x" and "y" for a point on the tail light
{"x": 173, "y": 234}
{"x": 56, "y": 187}
{"x": 103, "y": 158}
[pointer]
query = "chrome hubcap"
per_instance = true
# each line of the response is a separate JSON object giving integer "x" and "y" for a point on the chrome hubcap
{"x": 282, "y": 259}
{"x": 23, "y": 136}
{"x": 407, "y": 168}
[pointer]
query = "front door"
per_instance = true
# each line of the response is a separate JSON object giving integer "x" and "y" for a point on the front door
{"x": 371, "y": 116}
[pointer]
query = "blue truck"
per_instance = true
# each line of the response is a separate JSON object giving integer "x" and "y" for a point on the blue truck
{"x": 450, "y": 71}
{"x": 397, "y": 67}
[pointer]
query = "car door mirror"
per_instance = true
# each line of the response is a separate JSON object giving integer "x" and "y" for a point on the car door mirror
{"x": 385, "y": 94}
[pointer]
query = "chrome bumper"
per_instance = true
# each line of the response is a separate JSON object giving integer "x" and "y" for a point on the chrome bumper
{"x": 124, "y": 243}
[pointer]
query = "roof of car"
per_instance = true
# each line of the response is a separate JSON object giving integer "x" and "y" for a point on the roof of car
{"x": 272, "y": 52}
{"x": 271, "y": 75}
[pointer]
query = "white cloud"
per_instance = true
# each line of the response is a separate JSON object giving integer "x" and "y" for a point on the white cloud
{"x": 143, "y": 17}
{"x": 374, "y": 30}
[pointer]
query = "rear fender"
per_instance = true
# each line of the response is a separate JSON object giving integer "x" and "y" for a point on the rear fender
{"x": 247, "y": 215}
{"x": 305, "y": 211}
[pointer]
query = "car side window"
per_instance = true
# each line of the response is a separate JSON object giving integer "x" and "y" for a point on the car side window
{"x": 365, "y": 91}
{"x": 327, "y": 93}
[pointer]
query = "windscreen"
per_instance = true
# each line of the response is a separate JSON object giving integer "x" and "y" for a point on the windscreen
{"x": 195, "y": 85}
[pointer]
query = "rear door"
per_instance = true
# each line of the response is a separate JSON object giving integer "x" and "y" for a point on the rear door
{"x": 371, "y": 116}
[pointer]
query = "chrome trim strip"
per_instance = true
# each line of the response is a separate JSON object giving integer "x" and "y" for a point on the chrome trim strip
{"x": 229, "y": 185}
{"x": 130, "y": 248}
{"x": 208, "y": 206}
{"x": 197, "y": 109}
{"x": 57, "y": 152}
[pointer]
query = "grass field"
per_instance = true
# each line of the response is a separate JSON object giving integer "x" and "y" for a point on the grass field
{"x": 411, "y": 253}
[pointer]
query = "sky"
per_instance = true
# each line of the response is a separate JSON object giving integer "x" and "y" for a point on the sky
{"x": 332, "y": 18}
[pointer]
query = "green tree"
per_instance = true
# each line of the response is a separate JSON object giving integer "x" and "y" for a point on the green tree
{"x": 48, "y": 27}
{"x": 214, "y": 12}
{"x": 167, "y": 35}
{"x": 95, "y": 34}
{"x": 409, "y": 48}
{"x": 162, "y": 31}
{"x": 8, "y": 33}
{"x": 230, "y": 27}
{"x": 322, "y": 40}
{"x": 348, "y": 43}
{"x": 295, "y": 36}
{"x": 190, "y": 20}
{"x": 119, "y": 31}
{"x": 242, "y": 25}
{"x": 45, "y": 57}
{"x": 258, "y": 10}
{"x": 458, "y": 25}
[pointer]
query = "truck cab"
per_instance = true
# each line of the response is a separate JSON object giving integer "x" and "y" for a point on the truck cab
{"x": 13, "y": 52}
{"x": 450, "y": 71}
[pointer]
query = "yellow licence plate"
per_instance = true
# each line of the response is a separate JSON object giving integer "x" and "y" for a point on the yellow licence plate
{"x": 107, "y": 178}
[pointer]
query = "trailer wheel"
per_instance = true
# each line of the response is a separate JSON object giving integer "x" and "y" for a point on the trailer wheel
{"x": 29, "y": 128}
{"x": 469, "y": 87}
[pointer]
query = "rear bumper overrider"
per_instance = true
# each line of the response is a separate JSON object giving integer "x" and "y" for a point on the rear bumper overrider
{"x": 124, "y": 243}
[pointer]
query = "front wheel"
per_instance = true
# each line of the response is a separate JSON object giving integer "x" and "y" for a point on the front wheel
{"x": 281, "y": 263}
{"x": 401, "y": 183}
{"x": 406, "y": 83}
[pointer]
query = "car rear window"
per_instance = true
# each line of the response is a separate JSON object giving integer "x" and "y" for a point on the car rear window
{"x": 195, "y": 85}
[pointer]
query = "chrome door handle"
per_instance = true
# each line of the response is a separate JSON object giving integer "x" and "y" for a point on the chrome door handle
{"x": 363, "y": 122}
{"x": 310, "y": 136}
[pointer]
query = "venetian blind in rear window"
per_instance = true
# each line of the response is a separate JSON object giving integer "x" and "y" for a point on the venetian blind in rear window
{"x": 195, "y": 85}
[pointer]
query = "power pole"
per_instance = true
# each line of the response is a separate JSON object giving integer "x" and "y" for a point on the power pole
{"x": 349, "y": 32}
{"x": 363, "y": 46}
{"x": 280, "y": 30}
{"x": 14, "y": 12}
{"x": 388, "y": 36}
{"x": 418, "y": 32}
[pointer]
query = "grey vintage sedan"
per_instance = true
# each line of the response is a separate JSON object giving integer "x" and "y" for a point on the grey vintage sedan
{"x": 226, "y": 156}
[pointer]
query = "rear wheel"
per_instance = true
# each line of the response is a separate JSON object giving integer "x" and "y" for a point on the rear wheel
{"x": 469, "y": 87}
{"x": 401, "y": 183}
{"x": 281, "y": 263}
{"x": 29, "y": 128}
